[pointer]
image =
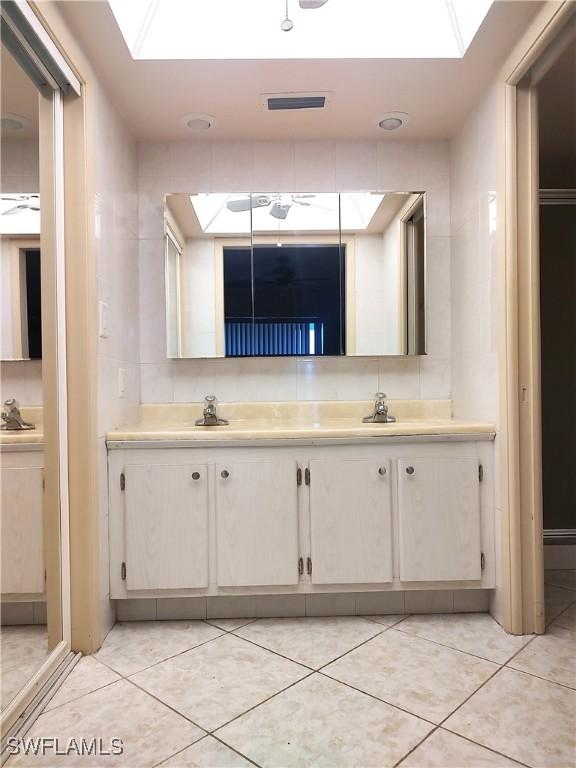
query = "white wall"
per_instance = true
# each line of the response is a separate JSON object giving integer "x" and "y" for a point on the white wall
{"x": 116, "y": 230}
{"x": 19, "y": 173}
{"x": 476, "y": 213}
{"x": 319, "y": 166}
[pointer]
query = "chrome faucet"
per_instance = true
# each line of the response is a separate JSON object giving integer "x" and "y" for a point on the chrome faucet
{"x": 210, "y": 417}
{"x": 380, "y": 414}
{"x": 12, "y": 417}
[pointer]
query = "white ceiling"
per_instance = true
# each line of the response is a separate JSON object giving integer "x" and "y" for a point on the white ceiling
{"x": 153, "y": 95}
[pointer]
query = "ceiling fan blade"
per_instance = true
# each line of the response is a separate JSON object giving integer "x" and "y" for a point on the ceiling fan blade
{"x": 16, "y": 209}
{"x": 280, "y": 211}
{"x": 246, "y": 203}
{"x": 312, "y": 4}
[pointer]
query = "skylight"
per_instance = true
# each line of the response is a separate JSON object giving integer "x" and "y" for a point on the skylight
{"x": 340, "y": 29}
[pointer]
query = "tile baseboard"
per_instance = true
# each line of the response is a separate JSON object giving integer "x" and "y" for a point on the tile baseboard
{"x": 310, "y": 604}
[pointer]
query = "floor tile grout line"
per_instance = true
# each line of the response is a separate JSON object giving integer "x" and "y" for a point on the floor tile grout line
{"x": 377, "y": 698}
{"x": 228, "y": 746}
{"x": 484, "y": 746}
{"x": 415, "y": 747}
{"x": 161, "y": 661}
{"x": 82, "y": 695}
{"x": 168, "y": 706}
{"x": 307, "y": 666}
{"x": 264, "y": 701}
{"x": 173, "y": 754}
{"x": 544, "y": 679}
{"x": 197, "y": 741}
{"x": 459, "y": 650}
{"x": 229, "y": 631}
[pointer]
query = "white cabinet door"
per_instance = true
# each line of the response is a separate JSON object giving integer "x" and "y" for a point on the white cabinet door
{"x": 22, "y": 531}
{"x": 439, "y": 511}
{"x": 257, "y": 523}
{"x": 166, "y": 526}
{"x": 350, "y": 521}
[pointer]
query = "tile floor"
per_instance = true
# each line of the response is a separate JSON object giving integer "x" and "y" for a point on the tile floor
{"x": 437, "y": 691}
{"x": 23, "y": 650}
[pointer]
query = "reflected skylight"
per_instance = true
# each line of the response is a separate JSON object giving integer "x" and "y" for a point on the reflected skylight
{"x": 340, "y": 29}
{"x": 19, "y": 213}
{"x": 224, "y": 214}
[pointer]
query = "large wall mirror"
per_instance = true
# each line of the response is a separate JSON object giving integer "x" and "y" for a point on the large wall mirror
{"x": 280, "y": 274}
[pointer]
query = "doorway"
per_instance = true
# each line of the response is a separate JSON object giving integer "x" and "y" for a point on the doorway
{"x": 557, "y": 171}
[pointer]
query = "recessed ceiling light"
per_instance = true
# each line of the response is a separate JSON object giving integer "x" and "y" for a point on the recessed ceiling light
{"x": 13, "y": 123}
{"x": 198, "y": 122}
{"x": 393, "y": 120}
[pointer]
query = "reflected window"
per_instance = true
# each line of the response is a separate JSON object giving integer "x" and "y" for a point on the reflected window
{"x": 284, "y": 300}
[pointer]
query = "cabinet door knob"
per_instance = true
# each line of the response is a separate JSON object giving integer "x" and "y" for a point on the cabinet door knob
{"x": 382, "y": 471}
{"x": 195, "y": 475}
{"x": 224, "y": 474}
{"x": 409, "y": 470}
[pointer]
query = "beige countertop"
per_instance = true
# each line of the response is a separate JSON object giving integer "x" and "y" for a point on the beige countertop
{"x": 298, "y": 420}
{"x": 33, "y": 415}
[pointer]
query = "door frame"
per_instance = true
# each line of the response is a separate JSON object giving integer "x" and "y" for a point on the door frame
{"x": 522, "y": 609}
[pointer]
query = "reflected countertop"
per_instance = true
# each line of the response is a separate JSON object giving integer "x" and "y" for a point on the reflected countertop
{"x": 20, "y": 438}
{"x": 250, "y": 422}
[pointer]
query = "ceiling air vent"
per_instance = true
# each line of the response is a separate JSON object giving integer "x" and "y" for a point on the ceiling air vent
{"x": 275, "y": 102}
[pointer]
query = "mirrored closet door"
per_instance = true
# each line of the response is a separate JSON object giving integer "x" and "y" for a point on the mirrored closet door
{"x": 34, "y": 607}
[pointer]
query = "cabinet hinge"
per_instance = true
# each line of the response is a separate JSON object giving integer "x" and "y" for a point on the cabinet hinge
{"x": 300, "y": 566}
{"x": 307, "y": 476}
{"x": 298, "y": 476}
{"x": 309, "y": 566}
{"x": 482, "y": 561}
{"x": 122, "y": 482}
{"x": 123, "y": 571}
{"x": 480, "y": 472}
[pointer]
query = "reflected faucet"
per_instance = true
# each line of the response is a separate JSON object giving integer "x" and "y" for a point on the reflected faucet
{"x": 210, "y": 417}
{"x": 12, "y": 417}
{"x": 380, "y": 414}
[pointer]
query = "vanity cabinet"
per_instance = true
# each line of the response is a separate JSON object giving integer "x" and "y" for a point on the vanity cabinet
{"x": 301, "y": 516}
{"x": 21, "y": 504}
{"x": 166, "y": 518}
{"x": 439, "y": 517}
{"x": 350, "y": 521}
{"x": 256, "y": 523}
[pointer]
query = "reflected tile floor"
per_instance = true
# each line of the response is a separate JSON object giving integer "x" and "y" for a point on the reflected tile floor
{"x": 23, "y": 650}
{"x": 438, "y": 691}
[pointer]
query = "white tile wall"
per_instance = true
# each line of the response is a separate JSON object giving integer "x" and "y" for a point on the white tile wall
{"x": 306, "y": 165}
{"x": 117, "y": 265}
{"x": 473, "y": 166}
{"x": 474, "y": 222}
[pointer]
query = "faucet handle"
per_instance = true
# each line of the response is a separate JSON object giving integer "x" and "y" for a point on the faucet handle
{"x": 211, "y": 400}
{"x": 11, "y": 403}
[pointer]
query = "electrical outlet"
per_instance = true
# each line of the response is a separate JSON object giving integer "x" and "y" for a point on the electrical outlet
{"x": 121, "y": 382}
